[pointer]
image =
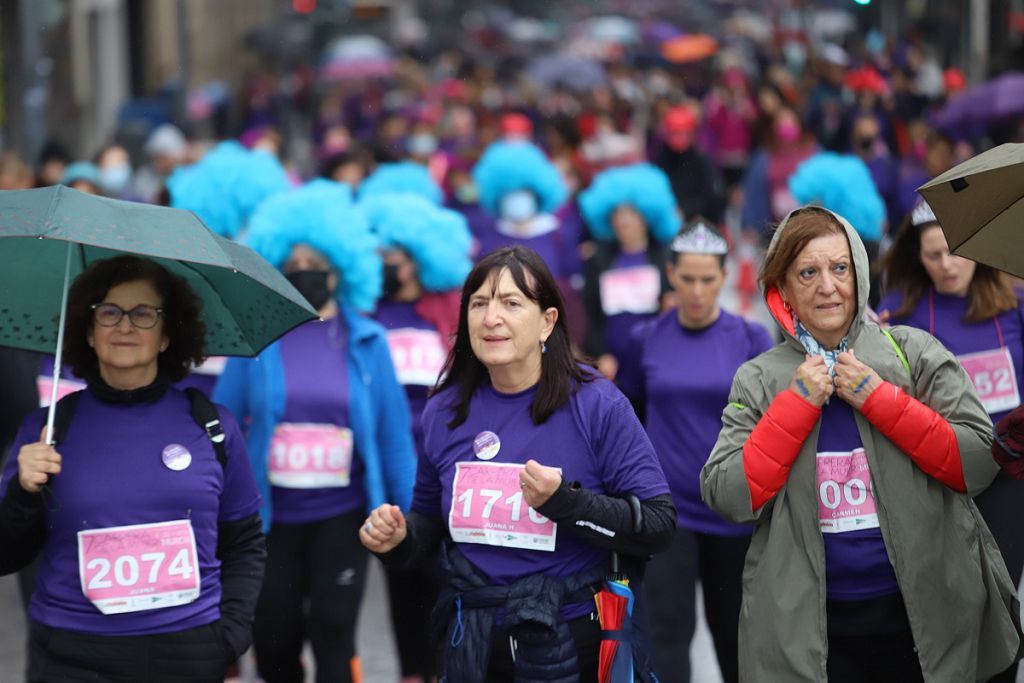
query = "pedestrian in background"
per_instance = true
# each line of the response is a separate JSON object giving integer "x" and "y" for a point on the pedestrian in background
{"x": 684, "y": 361}
{"x": 327, "y": 426}
{"x": 973, "y": 310}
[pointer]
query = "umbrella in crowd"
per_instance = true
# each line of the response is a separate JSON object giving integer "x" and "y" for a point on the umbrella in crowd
{"x": 995, "y": 100}
{"x": 611, "y": 29}
{"x": 571, "y": 71}
{"x": 357, "y": 57}
{"x": 689, "y": 48}
{"x": 52, "y": 234}
{"x": 980, "y": 207}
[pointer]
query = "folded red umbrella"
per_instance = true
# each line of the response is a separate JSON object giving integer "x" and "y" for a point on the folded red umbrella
{"x": 614, "y": 611}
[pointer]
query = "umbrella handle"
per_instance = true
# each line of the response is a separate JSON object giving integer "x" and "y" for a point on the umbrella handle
{"x": 52, "y": 410}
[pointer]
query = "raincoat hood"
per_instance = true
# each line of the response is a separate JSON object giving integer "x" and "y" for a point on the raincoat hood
{"x": 773, "y": 298}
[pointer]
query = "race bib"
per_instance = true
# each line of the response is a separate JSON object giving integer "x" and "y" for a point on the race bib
{"x": 630, "y": 290}
{"x": 212, "y": 366}
{"x": 994, "y": 378}
{"x": 846, "y": 500}
{"x": 417, "y": 355}
{"x": 64, "y": 387}
{"x": 139, "y": 567}
{"x": 783, "y": 202}
{"x": 310, "y": 456}
{"x": 488, "y": 508}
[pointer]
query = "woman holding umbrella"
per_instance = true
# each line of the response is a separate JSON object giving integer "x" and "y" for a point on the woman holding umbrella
{"x": 327, "y": 425}
{"x": 537, "y": 469}
{"x": 974, "y": 311}
{"x": 156, "y": 580}
{"x": 856, "y": 451}
{"x": 632, "y": 215}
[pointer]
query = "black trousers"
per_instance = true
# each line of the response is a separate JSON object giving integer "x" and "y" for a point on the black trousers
{"x": 869, "y": 641}
{"x": 313, "y": 585}
{"x": 586, "y": 633}
{"x": 413, "y": 592}
{"x": 1000, "y": 505}
{"x": 59, "y": 656}
{"x": 671, "y": 581}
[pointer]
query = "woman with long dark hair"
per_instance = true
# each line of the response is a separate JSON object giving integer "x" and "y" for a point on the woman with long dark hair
{"x": 536, "y": 469}
{"x": 974, "y": 311}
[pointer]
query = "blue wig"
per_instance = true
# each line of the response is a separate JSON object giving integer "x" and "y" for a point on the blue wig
{"x": 509, "y": 166}
{"x": 841, "y": 183}
{"x": 322, "y": 215}
{"x": 406, "y": 177}
{"x": 227, "y": 185}
{"x": 437, "y": 239}
{"x": 642, "y": 186}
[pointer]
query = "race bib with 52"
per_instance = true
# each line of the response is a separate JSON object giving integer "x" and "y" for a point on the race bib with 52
{"x": 139, "y": 567}
{"x": 310, "y": 456}
{"x": 488, "y": 508}
{"x": 994, "y": 378}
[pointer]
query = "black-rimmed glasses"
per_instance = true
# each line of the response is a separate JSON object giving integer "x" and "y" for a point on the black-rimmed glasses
{"x": 143, "y": 316}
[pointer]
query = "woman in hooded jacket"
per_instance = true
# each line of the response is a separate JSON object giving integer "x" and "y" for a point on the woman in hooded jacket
{"x": 855, "y": 452}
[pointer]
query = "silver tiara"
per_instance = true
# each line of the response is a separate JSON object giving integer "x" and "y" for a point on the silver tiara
{"x": 922, "y": 214}
{"x": 700, "y": 239}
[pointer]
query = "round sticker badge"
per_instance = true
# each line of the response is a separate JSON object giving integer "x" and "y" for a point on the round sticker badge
{"x": 486, "y": 445}
{"x": 176, "y": 457}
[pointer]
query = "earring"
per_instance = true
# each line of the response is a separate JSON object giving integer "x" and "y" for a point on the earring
{"x": 543, "y": 347}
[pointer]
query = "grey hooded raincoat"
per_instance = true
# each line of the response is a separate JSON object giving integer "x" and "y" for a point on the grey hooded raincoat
{"x": 961, "y": 604}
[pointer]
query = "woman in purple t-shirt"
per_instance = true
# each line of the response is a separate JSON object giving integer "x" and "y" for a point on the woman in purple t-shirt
{"x": 679, "y": 372}
{"x": 974, "y": 311}
{"x": 632, "y": 215}
{"x": 149, "y": 539}
{"x": 536, "y": 469}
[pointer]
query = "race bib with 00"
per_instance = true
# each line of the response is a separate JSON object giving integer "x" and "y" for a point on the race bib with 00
{"x": 630, "y": 290}
{"x": 310, "y": 456}
{"x": 846, "y": 500}
{"x": 488, "y": 508}
{"x": 994, "y": 378}
{"x": 139, "y": 567}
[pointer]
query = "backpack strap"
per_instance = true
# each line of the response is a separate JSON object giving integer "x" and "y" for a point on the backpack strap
{"x": 206, "y": 416}
{"x": 899, "y": 352}
{"x": 62, "y": 417}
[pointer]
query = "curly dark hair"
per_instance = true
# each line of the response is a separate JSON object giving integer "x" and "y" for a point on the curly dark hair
{"x": 183, "y": 325}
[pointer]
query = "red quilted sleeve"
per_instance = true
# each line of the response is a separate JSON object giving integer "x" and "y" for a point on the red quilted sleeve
{"x": 774, "y": 444}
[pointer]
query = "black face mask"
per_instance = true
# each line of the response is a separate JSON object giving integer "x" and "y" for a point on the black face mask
{"x": 866, "y": 143}
{"x": 311, "y": 284}
{"x": 391, "y": 282}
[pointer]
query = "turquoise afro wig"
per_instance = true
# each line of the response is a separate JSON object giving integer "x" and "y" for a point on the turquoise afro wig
{"x": 437, "y": 239}
{"x": 227, "y": 185}
{"x": 841, "y": 183}
{"x": 322, "y": 215}
{"x": 509, "y": 166}
{"x": 406, "y": 177}
{"x": 642, "y": 186}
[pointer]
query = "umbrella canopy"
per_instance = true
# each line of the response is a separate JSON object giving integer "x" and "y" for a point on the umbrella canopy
{"x": 980, "y": 206}
{"x": 357, "y": 57}
{"x": 568, "y": 70}
{"x": 611, "y": 29}
{"x": 689, "y": 48}
{"x": 995, "y": 100}
{"x": 247, "y": 303}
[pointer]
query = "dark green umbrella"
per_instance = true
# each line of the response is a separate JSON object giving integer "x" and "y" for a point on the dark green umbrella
{"x": 49, "y": 235}
{"x": 980, "y": 207}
